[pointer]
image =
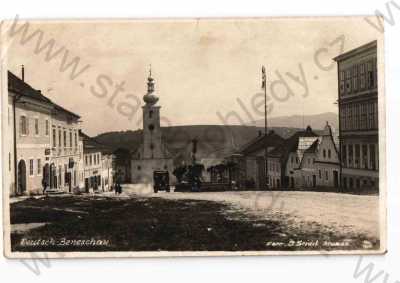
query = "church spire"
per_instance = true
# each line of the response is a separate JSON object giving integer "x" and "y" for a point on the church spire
{"x": 150, "y": 98}
{"x": 150, "y": 83}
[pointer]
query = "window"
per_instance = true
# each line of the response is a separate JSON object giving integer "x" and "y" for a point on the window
{"x": 65, "y": 138}
{"x": 59, "y": 137}
{"x": 76, "y": 139}
{"x": 30, "y": 167}
{"x": 24, "y": 125}
{"x": 372, "y": 156}
{"x": 70, "y": 138}
{"x": 350, "y": 155}
{"x": 320, "y": 174}
{"x": 90, "y": 160}
{"x": 357, "y": 156}
{"x": 326, "y": 175}
{"x": 324, "y": 153}
{"x": 54, "y": 137}
{"x": 362, "y": 76}
{"x": 370, "y": 75}
{"x": 341, "y": 82}
{"x": 66, "y": 181}
{"x": 355, "y": 78}
{"x": 86, "y": 160}
{"x": 329, "y": 153}
{"x": 39, "y": 166}
{"x": 47, "y": 127}
{"x": 36, "y": 126}
{"x": 150, "y": 114}
{"x": 348, "y": 81}
{"x": 364, "y": 156}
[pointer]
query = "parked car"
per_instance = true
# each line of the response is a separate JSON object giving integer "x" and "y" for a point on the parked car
{"x": 161, "y": 181}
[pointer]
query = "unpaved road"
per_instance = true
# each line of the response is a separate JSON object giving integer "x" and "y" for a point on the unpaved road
{"x": 341, "y": 212}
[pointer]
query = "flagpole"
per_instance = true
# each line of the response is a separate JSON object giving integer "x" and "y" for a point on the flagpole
{"x": 264, "y": 83}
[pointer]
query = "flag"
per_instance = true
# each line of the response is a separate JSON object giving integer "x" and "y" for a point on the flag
{"x": 264, "y": 78}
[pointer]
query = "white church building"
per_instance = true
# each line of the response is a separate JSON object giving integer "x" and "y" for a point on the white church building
{"x": 152, "y": 154}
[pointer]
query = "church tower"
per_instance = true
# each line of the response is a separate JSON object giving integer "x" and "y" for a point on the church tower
{"x": 152, "y": 154}
{"x": 152, "y": 144}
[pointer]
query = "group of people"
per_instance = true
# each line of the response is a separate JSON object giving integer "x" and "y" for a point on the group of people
{"x": 118, "y": 188}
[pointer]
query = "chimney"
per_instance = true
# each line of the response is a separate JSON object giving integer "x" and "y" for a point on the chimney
{"x": 23, "y": 73}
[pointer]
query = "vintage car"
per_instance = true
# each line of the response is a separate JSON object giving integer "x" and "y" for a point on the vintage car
{"x": 161, "y": 181}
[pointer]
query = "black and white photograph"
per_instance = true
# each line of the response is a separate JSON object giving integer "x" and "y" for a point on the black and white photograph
{"x": 193, "y": 137}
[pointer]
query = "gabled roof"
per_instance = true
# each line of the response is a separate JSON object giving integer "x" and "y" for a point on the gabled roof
{"x": 313, "y": 148}
{"x": 292, "y": 143}
{"x": 271, "y": 139}
{"x": 20, "y": 87}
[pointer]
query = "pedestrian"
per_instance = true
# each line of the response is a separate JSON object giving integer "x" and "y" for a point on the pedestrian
{"x": 44, "y": 185}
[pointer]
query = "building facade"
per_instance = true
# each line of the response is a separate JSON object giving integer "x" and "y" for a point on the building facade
{"x": 253, "y": 163}
{"x": 358, "y": 117}
{"x": 28, "y": 139}
{"x": 152, "y": 154}
{"x": 64, "y": 170}
{"x": 98, "y": 164}
{"x": 327, "y": 161}
{"x": 41, "y": 144}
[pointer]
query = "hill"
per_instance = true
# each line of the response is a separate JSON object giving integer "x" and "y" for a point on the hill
{"x": 317, "y": 121}
{"x": 213, "y": 140}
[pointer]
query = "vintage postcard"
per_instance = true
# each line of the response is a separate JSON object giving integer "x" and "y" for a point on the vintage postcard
{"x": 191, "y": 137}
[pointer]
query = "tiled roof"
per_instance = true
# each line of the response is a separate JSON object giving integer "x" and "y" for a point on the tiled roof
{"x": 271, "y": 139}
{"x": 20, "y": 87}
{"x": 313, "y": 148}
{"x": 292, "y": 143}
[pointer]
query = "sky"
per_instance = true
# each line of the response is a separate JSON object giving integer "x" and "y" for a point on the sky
{"x": 205, "y": 70}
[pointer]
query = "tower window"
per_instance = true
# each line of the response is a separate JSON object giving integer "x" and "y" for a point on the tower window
{"x": 150, "y": 114}
{"x": 151, "y": 127}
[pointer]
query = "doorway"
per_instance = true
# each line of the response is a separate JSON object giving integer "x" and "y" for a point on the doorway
{"x": 335, "y": 179}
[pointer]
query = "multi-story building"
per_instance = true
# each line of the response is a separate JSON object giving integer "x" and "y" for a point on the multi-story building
{"x": 65, "y": 154}
{"x": 41, "y": 142}
{"x": 98, "y": 164}
{"x": 253, "y": 161}
{"x": 28, "y": 138}
{"x": 358, "y": 117}
{"x": 107, "y": 170}
{"x": 319, "y": 164}
{"x": 327, "y": 160}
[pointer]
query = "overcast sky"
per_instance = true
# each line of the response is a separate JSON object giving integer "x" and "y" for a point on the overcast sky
{"x": 201, "y": 68}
